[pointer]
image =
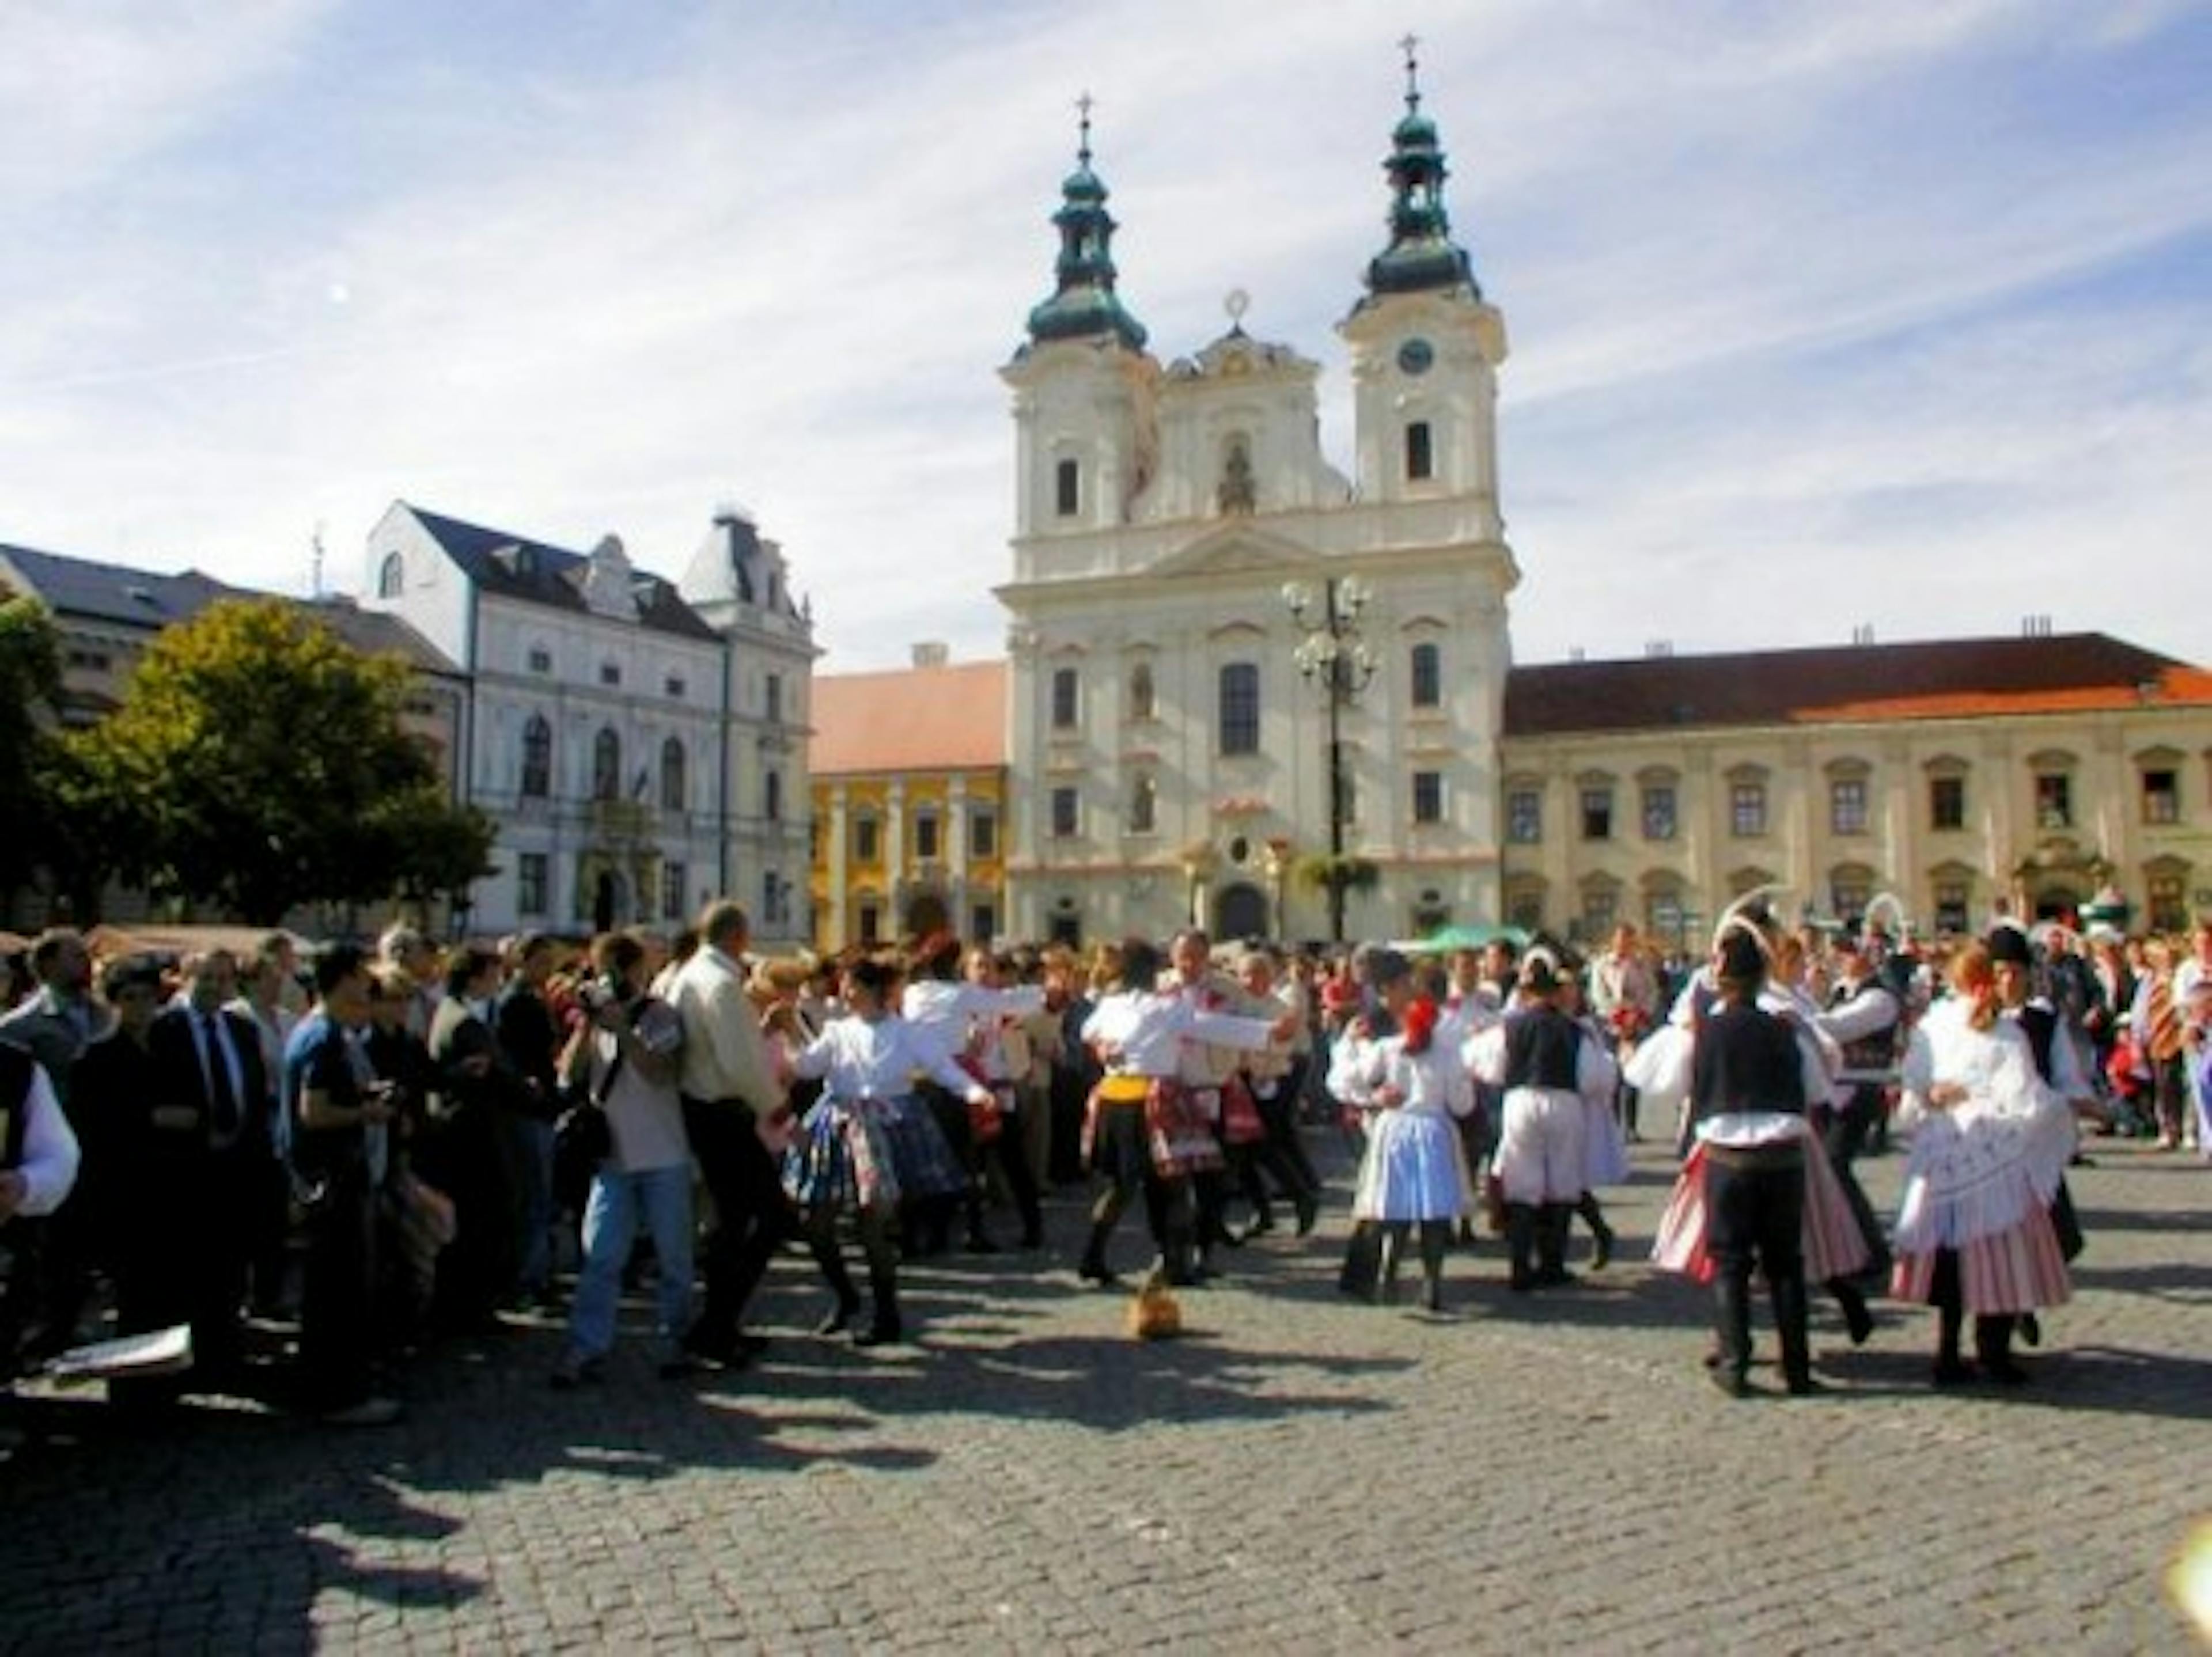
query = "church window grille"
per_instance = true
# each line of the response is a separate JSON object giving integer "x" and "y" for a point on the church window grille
{"x": 1239, "y": 710}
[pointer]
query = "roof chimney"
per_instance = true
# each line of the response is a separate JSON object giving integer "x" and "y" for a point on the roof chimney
{"x": 931, "y": 654}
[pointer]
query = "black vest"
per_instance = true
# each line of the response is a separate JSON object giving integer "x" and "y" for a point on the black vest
{"x": 1746, "y": 1060}
{"x": 1543, "y": 1047}
{"x": 2041, "y": 1024}
{"x": 1876, "y": 1051}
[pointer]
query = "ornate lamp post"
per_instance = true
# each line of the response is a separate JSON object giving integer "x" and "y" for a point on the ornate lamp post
{"x": 1334, "y": 658}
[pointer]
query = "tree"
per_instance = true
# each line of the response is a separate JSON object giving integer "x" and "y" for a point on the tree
{"x": 30, "y": 680}
{"x": 271, "y": 762}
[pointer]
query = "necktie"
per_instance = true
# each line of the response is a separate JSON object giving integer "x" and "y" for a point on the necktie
{"x": 2164, "y": 1034}
{"x": 221, "y": 1094}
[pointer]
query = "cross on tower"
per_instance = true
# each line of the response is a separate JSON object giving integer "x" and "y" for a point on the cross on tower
{"x": 1082, "y": 110}
{"x": 1409, "y": 46}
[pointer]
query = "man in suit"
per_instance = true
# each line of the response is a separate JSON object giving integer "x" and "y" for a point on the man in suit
{"x": 212, "y": 1142}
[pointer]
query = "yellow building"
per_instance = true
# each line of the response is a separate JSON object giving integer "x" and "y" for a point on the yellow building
{"x": 1965, "y": 777}
{"x": 909, "y": 791}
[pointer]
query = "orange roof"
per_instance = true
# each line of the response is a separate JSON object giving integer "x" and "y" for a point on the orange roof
{"x": 952, "y": 718}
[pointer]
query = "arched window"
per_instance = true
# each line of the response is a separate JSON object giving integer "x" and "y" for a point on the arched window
{"x": 392, "y": 577}
{"x": 1144, "y": 803}
{"x": 673, "y": 789}
{"x": 1428, "y": 676}
{"x": 536, "y": 758}
{"x": 772, "y": 796}
{"x": 606, "y": 764}
{"x": 1141, "y": 698}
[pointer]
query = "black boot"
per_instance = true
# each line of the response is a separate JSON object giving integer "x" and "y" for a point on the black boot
{"x": 1993, "y": 1350}
{"x": 1732, "y": 1332}
{"x": 1386, "y": 1275}
{"x": 1593, "y": 1213}
{"x": 1435, "y": 1238}
{"x": 1551, "y": 1224}
{"x": 1792, "y": 1323}
{"x": 1951, "y": 1371}
{"x": 1094, "y": 1268}
{"x": 883, "y": 1328}
{"x": 1520, "y": 1245}
{"x": 1857, "y": 1320}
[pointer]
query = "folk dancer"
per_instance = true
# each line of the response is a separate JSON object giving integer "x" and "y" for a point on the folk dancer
{"x": 868, "y": 1142}
{"x": 1353, "y": 1060}
{"x": 1412, "y": 1174}
{"x": 1973, "y": 1231}
{"x": 1140, "y": 1132}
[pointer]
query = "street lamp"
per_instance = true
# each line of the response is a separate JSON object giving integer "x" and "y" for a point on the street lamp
{"x": 1333, "y": 658}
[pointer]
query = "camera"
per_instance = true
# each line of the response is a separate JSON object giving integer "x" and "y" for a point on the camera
{"x": 597, "y": 994}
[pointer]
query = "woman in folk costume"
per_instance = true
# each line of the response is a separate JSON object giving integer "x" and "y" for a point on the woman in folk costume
{"x": 1755, "y": 1193}
{"x": 1552, "y": 1070}
{"x": 867, "y": 1141}
{"x": 1991, "y": 1142}
{"x": 1138, "y": 1135}
{"x": 944, "y": 1006}
{"x": 1605, "y": 1143}
{"x": 1412, "y": 1174}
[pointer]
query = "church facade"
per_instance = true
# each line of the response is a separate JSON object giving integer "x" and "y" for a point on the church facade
{"x": 1244, "y": 690}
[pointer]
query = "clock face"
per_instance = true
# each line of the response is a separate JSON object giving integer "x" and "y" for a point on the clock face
{"x": 1415, "y": 356}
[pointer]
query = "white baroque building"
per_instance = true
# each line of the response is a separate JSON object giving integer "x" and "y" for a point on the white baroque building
{"x": 1175, "y": 717}
{"x": 603, "y": 735}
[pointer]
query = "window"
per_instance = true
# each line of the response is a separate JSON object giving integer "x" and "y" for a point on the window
{"x": 925, "y": 836}
{"x": 1951, "y": 896}
{"x": 1524, "y": 817}
{"x": 541, "y": 659}
{"x": 771, "y": 896}
{"x": 1063, "y": 698}
{"x": 609, "y": 673}
{"x": 1067, "y": 488}
{"x": 537, "y": 759}
{"x": 2168, "y": 905}
{"x": 1747, "y": 810}
{"x": 982, "y": 922}
{"x": 1428, "y": 676}
{"x": 867, "y": 840}
{"x": 531, "y": 869}
{"x": 1525, "y": 909}
{"x": 1849, "y": 891}
{"x": 1600, "y": 910}
{"x": 1847, "y": 810}
{"x": 672, "y": 790}
{"x": 392, "y": 578}
{"x": 1240, "y": 709}
{"x": 1659, "y": 810}
{"x": 2054, "y": 800}
{"x": 2161, "y": 797}
{"x": 1947, "y": 802}
{"x": 1420, "y": 461}
{"x": 772, "y": 698}
{"x": 674, "y": 899}
{"x": 1597, "y": 814}
{"x": 606, "y": 764}
{"x": 1065, "y": 813}
{"x": 871, "y": 923}
{"x": 983, "y": 834}
{"x": 1428, "y": 796}
{"x": 1144, "y": 803}
{"x": 772, "y": 796}
{"x": 673, "y": 685}
{"x": 1142, "y": 699}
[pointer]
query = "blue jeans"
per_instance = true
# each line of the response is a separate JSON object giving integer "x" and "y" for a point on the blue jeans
{"x": 530, "y": 1166}
{"x": 611, "y": 1223}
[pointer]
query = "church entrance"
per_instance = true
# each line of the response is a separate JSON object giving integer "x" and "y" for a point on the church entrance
{"x": 1239, "y": 911}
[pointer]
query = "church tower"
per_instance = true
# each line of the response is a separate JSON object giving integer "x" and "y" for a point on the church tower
{"x": 1425, "y": 347}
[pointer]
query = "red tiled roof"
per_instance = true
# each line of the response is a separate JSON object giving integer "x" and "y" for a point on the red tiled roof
{"x": 1939, "y": 679}
{"x": 920, "y": 718}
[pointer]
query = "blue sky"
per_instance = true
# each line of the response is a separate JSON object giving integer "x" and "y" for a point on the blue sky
{"x": 1883, "y": 313}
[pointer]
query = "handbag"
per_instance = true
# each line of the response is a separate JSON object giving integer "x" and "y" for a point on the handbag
{"x": 581, "y": 1141}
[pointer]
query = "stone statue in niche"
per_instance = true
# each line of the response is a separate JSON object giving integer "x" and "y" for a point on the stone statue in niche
{"x": 1235, "y": 494}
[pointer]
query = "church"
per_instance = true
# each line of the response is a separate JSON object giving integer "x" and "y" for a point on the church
{"x": 1243, "y": 687}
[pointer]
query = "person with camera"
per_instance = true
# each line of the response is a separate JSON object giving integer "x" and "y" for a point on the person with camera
{"x": 620, "y": 1063}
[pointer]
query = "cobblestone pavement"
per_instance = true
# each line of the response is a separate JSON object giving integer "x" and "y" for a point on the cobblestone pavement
{"x": 1298, "y": 1473}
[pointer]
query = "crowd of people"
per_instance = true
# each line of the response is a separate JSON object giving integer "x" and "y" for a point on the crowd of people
{"x": 374, "y": 1148}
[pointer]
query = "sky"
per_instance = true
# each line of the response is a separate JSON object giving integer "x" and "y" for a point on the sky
{"x": 1895, "y": 313}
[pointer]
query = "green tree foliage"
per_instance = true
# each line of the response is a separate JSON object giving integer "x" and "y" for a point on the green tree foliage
{"x": 267, "y": 765}
{"x": 30, "y": 680}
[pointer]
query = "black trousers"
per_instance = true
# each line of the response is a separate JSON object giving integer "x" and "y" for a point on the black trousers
{"x": 750, "y": 1215}
{"x": 1755, "y": 1208}
{"x": 338, "y": 1337}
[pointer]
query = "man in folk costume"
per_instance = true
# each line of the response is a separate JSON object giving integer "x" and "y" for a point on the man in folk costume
{"x": 1208, "y": 1073}
{"x": 1551, "y": 1066}
{"x": 1269, "y": 1074}
{"x": 1142, "y": 1131}
{"x": 1866, "y": 1019}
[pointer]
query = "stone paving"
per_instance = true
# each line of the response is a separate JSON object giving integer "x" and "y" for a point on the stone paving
{"x": 1298, "y": 1473}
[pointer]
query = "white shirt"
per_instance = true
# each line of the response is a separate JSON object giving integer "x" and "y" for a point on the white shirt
{"x": 50, "y": 1148}
{"x": 723, "y": 1055}
{"x": 1142, "y": 1031}
{"x": 1431, "y": 1083}
{"x": 857, "y": 1058}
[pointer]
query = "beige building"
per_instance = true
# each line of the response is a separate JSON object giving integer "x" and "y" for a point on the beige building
{"x": 909, "y": 797}
{"x": 1965, "y": 777}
